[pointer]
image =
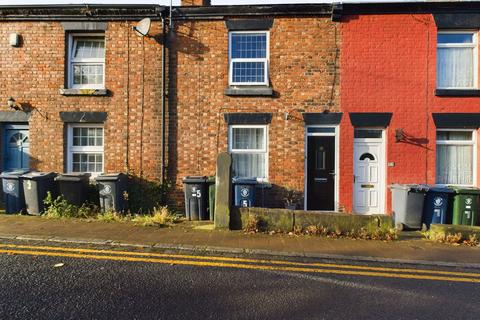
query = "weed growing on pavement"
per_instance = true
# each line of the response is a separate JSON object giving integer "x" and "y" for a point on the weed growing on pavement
{"x": 160, "y": 217}
{"x": 452, "y": 238}
{"x": 112, "y": 216}
{"x": 59, "y": 208}
{"x": 377, "y": 233}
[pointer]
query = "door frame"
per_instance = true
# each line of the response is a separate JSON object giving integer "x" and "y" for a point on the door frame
{"x": 10, "y": 126}
{"x": 335, "y": 134}
{"x": 381, "y": 165}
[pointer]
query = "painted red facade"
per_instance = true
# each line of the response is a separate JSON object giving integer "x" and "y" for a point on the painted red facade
{"x": 389, "y": 65}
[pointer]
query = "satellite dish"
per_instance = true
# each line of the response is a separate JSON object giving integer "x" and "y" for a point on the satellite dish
{"x": 143, "y": 27}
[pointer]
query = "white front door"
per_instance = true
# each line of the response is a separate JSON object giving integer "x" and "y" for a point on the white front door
{"x": 369, "y": 173}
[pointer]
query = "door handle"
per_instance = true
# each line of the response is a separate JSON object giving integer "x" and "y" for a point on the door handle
{"x": 333, "y": 173}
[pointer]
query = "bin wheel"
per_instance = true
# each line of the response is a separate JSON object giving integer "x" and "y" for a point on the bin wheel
{"x": 399, "y": 226}
{"x": 424, "y": 227}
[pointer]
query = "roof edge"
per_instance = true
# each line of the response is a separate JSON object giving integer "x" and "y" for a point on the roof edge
{"x": 191, "y": 12}
{"x": 77, "y": 12}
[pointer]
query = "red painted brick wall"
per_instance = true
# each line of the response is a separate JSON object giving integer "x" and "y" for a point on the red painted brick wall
{"x": 389, "y": 65}
{"x": 34, "y": 73}
{"x": 302, "y": 74}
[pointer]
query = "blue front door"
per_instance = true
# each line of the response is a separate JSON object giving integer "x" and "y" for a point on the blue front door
{"x": 17, "y": 153}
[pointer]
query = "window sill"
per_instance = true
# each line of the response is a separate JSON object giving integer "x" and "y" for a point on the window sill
{"x": 84, "y": 92}
{"x": 263, "y": 185}
{"x": 249, "y": 91}
{"x": 457, "y": 93}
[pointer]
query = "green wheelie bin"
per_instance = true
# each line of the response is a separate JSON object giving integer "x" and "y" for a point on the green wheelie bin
{"x": 465, "y": 206}
{"x": 211, "y": 197}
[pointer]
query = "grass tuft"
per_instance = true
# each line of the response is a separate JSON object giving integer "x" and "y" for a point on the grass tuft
{"x": 160, "y": 217}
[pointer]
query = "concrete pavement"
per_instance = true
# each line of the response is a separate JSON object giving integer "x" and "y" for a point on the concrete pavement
{"x": 199, "y": 237}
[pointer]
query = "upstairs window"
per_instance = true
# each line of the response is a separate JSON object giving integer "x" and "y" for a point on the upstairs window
{"x": 86, "y": 61}
{"x": 457, "y": 60}
{"x": 248, "y": 57}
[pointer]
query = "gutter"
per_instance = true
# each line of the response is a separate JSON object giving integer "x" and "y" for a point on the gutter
{"x": 80, "y": 12}
{"x": 219, "y": 12}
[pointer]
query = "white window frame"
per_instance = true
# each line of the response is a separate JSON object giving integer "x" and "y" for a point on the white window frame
{"x": 71, "y": 50}
{"x": 473, "y": 45}
{"x": 472, "y": 143}
{"x": 264, "y": 150}
{"x": 265, "y": 60}
{"x": 71, "y": 149}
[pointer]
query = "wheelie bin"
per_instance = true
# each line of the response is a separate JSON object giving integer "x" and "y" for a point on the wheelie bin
{"x": 244, "y": 192}
{"x": 36, "y": 186}
{"x": 211, "y": 198}
{"x": 465, "y": 206}
{"x": 112, "y": 188}
{"x": 407, "y": 205}
{"x": 196, "y": 198}
{"x": 436, "y": 207}
{"x": 13, "y": 195}
{"x": 73, "y": 187}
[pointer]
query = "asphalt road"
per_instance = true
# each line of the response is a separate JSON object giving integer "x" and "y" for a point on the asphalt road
{"x": 103, "y": 285}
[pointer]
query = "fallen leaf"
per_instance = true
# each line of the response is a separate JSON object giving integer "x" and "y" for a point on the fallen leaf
{"x": 58, "y": 265}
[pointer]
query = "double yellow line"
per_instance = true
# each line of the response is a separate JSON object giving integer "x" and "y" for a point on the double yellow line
{"x": 241, "y": 263}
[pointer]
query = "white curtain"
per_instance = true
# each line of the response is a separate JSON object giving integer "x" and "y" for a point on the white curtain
{"x": 245, "y": 163}
{"x": 455, "y": 67}
{"x": 249, "y": 165}
{"x": 455, "y": 164}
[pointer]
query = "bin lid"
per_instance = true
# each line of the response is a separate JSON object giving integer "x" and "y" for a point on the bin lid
{"x": 195, "y": 179}
{"x": 410, "y": 187}
{"x": 36, "y": 175}
{"x": 111, "y": 176}
{"x": 73, "y": 177}
{"x": 465, "y": 190}
{"x": 238, "y": 180}
{"x": 439, "y": 189}
{"x": 14, "y": 174}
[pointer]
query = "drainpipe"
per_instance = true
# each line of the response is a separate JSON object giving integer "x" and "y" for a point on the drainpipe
{"x": 164, "y": 44}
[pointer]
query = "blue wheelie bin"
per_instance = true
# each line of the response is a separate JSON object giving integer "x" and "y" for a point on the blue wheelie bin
{"x": 14, "y": 197}
{"x": 436, "y": 208}
{"x": 244, "y": 192}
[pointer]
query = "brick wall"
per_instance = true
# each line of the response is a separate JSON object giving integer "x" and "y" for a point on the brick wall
{"x": 302, "y": 74}
{"x": 389, "y": 65}
{"x": 34, "y": 73}
{"x": 195, "y": 2}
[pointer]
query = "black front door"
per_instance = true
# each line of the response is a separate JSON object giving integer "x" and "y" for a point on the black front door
{"x": 321, "y": 173}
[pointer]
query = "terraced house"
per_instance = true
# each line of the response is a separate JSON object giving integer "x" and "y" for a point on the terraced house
{"x": 334, "y": 102}
{"x": 80, "y": 90}
{"x": 258, "y": 82}
{"x": 410, "y": 98}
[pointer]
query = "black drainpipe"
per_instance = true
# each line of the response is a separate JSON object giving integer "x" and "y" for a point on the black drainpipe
{"x": 164, "y": 44}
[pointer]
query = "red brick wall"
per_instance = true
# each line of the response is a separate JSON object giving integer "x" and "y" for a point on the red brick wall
{"x": 302, "y": 74}
{"x": 34, "y": 73}
{"x": 195, "y": 2}
{"x": 389, "y": 65}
